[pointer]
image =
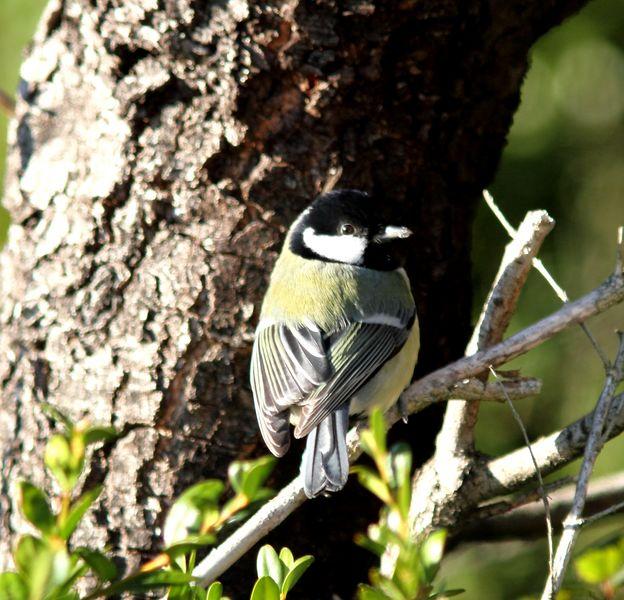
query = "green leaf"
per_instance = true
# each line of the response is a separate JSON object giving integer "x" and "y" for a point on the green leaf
{"x": 184, "y": 592}
{"x": 95, "y": 434}
{"x": 65, "y": 459}
{"x": 78, "y": 510}
{"x": 432, "y": 551}
{"x": 367, "y": 442}
{"x": 215, "y": 591}
{"x": 181, "y": 522}
{"x": 203, "y": 494}
{"x": 597, "y": 565}
{"x": 189, "y": 543}
{"x": 191, "y": 509}
{"x": 391, "y": 589}
{"x": 101, "y": 565}
{"x": 13, "y": 587}
{"x": 26, "y": 551}
{"x": 268, "y": 564}
{"x": 451, "y": 593}
{"x": 378, "y": 427}
{"x": 373, "y": 483}
{"x": 147, "y": 581}
{"x": 236, "y": 472}
{"x": 265, "y": 589}
{"x": 258, "y": 472}
{"x": 248, "y": 477}
{"x": 44, "y": 567}
{"x": 369, "y": 544}
{"x": 366, "y": 592}
{"x": 401, "y": 461}
{"x": 35, "y": 507}
{"x": 286, "y": 556}
{"x": 58, "y": 415}
{"x": 299, "y": 567}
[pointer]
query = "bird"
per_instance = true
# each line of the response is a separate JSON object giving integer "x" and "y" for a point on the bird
{"x": 337, "y": 333}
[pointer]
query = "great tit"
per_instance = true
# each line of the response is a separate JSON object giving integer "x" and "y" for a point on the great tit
{"x": 337, "y": 334}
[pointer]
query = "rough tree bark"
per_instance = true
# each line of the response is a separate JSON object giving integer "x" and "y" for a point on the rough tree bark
{"x": 160, "y": 149}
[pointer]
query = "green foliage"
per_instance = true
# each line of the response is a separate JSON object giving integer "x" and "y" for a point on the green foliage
{"x": 416, "y": 563}
{"x": 48, "y": 567}
{"x": 278, "y": 573}
{"x": 600, "y": 570}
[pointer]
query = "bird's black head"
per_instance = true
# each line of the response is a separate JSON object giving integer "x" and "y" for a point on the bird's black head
{"x": 345, "y": 226}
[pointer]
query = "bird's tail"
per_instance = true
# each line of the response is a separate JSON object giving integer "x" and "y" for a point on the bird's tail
{"x": 325, "y": 464}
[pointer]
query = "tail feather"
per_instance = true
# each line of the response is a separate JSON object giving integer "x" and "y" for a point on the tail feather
{"x": 325, "y": 463}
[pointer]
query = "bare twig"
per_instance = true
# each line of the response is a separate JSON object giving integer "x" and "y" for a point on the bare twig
{"x": 574, "y": 520}
{"x": 540, "y": 267}
{"x": 333, "y": 176}
{"x": 456, "y": 439}
{"x": 508, "y": 506}
{"x": 435, "y": 387}
{"x": 538, "y": 474}
{"x": 518, "y": 259}
{"x": 615, "y": 508}
{"x": 478, "y": 390}
{"x": 512, "y": 471}
{"x": 437, "y": 484}
{"x": 7, "y": 104}
{"x": 523, "y": 516}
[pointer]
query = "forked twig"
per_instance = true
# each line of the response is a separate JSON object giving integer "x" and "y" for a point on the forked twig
{"x": 574, "y": 520}
{"x": 543, "y": 271}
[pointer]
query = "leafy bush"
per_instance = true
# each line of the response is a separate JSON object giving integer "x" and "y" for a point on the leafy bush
{"x": 408, "y": 566}
{"x": 50, "y": 567}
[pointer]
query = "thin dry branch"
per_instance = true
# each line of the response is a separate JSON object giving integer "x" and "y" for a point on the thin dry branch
{"x": 541, "y": 268}
{"x": 541, "y": 488}
{"x": 514, "y": 470}
{"x": 456, "y": 439}
{"x": 438, "y": 483}
{"x": 523, "y": 517}
{"x": 574, "y": 519}
{"x": 496, "y": 391}
{"x": 435, "y": 387}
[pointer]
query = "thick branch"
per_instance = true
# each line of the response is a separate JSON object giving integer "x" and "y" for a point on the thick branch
{"x": 437, "y": 386}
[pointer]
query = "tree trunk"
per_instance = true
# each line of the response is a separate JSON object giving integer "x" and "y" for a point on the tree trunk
{"x": 160, "y": 150}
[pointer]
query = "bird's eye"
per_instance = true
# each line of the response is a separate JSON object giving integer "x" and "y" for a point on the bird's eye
{"x": 347, "y": 229}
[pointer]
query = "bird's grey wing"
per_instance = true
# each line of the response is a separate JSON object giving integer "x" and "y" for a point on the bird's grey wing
{"x": 356, "y": 354}
{"x": 287, "y": 364}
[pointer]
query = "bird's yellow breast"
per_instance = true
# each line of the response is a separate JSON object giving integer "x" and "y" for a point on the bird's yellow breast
{"x": 384, "y": 389}
{"x": 332, "y": 294}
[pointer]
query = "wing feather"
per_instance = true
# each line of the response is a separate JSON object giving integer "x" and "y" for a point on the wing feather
{"x": 287, "y": 364}
{"x": 356, "y": 355}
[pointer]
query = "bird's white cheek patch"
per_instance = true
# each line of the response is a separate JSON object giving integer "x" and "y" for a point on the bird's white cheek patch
{"x": 342, "y": 248}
